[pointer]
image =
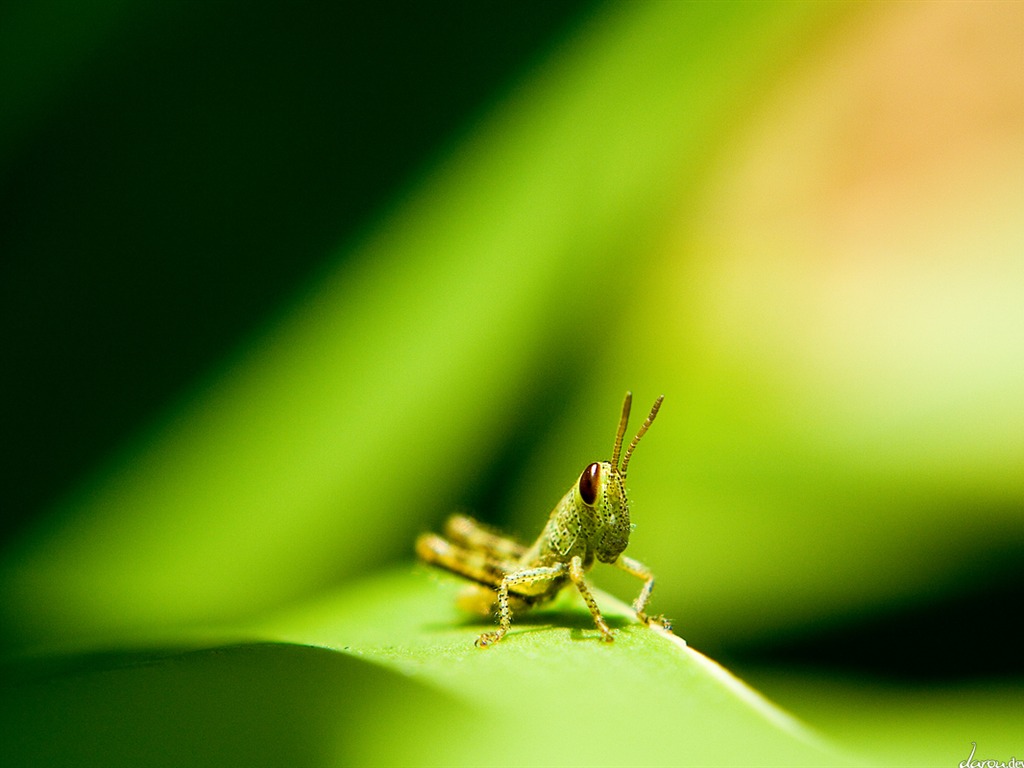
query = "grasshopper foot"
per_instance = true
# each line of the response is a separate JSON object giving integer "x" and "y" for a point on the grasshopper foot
{"x": 660, "y": 620}
{"x": 488, "y": 639}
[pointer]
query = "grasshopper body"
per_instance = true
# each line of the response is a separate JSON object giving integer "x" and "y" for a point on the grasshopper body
{"x": 590, "y": 522}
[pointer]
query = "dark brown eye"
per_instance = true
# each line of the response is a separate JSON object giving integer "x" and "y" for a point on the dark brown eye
{"x": 588, "y": 484}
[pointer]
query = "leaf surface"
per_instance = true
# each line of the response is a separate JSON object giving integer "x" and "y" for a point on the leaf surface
{"x": 385, "y": 672}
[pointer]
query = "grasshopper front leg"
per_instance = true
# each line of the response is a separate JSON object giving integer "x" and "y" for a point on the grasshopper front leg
{"x": 527, "y": 576}
{"x": 641, "y": 571}
{"x": 576, "y": 574}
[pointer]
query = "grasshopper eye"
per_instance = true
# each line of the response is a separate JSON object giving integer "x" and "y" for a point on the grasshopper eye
{"x": 588, "y": 484}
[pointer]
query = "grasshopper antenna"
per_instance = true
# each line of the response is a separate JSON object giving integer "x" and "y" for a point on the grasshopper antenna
{"x": 643, "y": 430}
{"x": 623, "y": 420}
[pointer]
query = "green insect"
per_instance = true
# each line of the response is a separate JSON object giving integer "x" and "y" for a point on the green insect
{"x": 590, "y": 522}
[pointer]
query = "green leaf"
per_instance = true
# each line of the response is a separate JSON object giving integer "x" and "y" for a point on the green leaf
{"x": 552, "y": 688}
{"x": 386, "y": 672}
{"x": 247, "y": 704}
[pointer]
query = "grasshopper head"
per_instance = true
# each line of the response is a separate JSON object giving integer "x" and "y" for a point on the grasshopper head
{"x": 602, "y": 487}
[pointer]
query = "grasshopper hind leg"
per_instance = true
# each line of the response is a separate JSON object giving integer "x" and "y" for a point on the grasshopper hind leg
{"x": 473, "y": 564}
{"x": 473, "y": 535}
{"x": 477, "y": 564}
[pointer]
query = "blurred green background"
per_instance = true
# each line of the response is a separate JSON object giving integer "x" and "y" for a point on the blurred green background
{"x": 284, "y": 285}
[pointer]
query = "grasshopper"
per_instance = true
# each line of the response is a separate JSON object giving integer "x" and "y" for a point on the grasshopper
{"x": 591, "y": 521}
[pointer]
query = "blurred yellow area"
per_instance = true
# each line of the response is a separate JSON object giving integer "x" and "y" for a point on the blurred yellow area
{"x": 839, "y": 317}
